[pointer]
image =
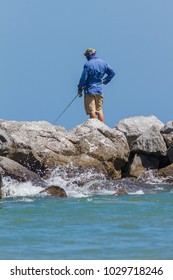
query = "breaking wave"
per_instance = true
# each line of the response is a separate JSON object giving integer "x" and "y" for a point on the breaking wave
{"x": 87, "y": 184}
{"x": 12, "y": 188}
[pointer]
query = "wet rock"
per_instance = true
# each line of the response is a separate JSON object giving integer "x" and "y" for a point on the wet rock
{"x": 140, "y": 163}
{"x": 102, "y": 143}
{"x": 55, "y": 191}
{"x": 0, "y": 186}
{"x": 40, "y": 147}
{"x": 121, "y": 191}
{"x": 18, "y": 172}
{"x": 166, "y": 171}
{"x": 133, "y": 127}
{"x": 34, "y": 142}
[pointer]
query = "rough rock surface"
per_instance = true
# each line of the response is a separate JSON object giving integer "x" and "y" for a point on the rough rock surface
{"x": 18, "y": 172}
{"x": 29, "y": 151}
{"x": 33, "y": 144}
{"x": 166, "y": 171}
{"x": 133, "y": 127}
{"x": 107, "y": 145}
{"x": 0, "y": 186}
{"x": 39, "y": 146}
{"x": 167, "y": 132}
{"x": 150, "y": 142}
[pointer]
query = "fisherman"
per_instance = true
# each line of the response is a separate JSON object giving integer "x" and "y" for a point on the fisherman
{"x": 91, "y": 81}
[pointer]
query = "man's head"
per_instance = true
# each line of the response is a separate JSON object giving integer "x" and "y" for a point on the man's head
{"x": 90, "y": 53}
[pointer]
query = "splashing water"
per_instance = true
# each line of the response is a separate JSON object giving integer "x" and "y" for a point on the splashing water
{"x": 79, "y": 184}
{"x": 12, "y": 188}
{"x": 86, "y": 184}
{"x": 150, "y": 178}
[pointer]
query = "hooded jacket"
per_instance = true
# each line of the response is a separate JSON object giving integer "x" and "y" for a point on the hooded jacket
{"x": 92, "y": 78}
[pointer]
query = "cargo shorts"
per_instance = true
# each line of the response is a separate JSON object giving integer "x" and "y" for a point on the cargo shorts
{"x": 93, "y": 103}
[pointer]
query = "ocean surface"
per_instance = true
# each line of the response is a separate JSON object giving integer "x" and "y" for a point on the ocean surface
{"x": 91, "y": 224}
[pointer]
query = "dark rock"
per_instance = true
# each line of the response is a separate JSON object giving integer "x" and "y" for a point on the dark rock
{"x": 166, "y": 171}
{"x": 5, "y": 143}
{"x": 0, "y": 186}
{"x": 120, "y": 191}
{"x": 20, "y": 173}
{"x": 170, "y": 153}
{"x": 55, "y": 191}
{"x": 140, "y": 163}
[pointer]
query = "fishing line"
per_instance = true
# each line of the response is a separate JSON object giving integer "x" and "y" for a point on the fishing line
{"x": 65, "y": 109}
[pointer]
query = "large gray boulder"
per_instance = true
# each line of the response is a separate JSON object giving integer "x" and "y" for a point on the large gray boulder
{"x": 33, "y": 144}
{"x": 133, "y": 127}
{"x": 40, "y": 146}
{"x": 167, "y": 132}
{"x": 151, "y": 142}
{"x": 97, "y": 140}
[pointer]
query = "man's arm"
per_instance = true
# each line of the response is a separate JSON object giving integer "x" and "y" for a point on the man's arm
{"x": 110, "y": 74}
{"x": 83, "y": 78}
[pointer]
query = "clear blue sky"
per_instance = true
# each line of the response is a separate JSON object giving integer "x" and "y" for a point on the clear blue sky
{"x": 41, "y": 58}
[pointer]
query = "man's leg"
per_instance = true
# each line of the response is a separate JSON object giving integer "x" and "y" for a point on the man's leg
{"x": 101, "y": 117}
{"x": 92, "y": 115}
{"x": 90, "y": 107}
{"x": 99, "y": 107}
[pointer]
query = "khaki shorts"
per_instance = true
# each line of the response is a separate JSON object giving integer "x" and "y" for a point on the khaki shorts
{"x": 93, "y": 103}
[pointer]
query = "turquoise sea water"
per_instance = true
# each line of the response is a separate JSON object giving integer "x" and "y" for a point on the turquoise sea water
{"x": 91, "y": 225}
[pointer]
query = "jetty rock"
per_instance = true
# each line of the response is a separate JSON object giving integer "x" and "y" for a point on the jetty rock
{"x": 133, "y": 127}
{"x": 133, "y": 146}
{"x": 148, "y": 147}
{"x": 150, "y": 142}
{"x": 0, "y": 185}
{"x": 34, "y": 144}
{"x": 107, "y": 145}
{"x": 18, "y": 172}
{"x": 40, "y": 146}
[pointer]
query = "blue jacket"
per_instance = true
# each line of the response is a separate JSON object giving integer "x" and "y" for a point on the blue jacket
{"x": 92, "y": 78}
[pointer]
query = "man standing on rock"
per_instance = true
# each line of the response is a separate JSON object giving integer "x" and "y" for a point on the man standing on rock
{"x": 91, "y": 81}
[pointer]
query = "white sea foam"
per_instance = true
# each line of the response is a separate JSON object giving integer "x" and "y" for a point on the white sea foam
{"x": 82, "y": 184}
{"x": 78, "y": 185}
{"x": 12, "y": 188}
{"x": 139, "y": 192}
{"x": 149, "y": 178}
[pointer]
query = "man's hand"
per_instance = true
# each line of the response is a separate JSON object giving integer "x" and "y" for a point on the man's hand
{"x": 80, "y": 92}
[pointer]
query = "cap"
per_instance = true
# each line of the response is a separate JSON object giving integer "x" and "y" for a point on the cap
{"x": 89, "y": 51}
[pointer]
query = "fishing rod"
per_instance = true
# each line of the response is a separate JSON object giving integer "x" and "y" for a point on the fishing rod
{"x": 65, "y": 109}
